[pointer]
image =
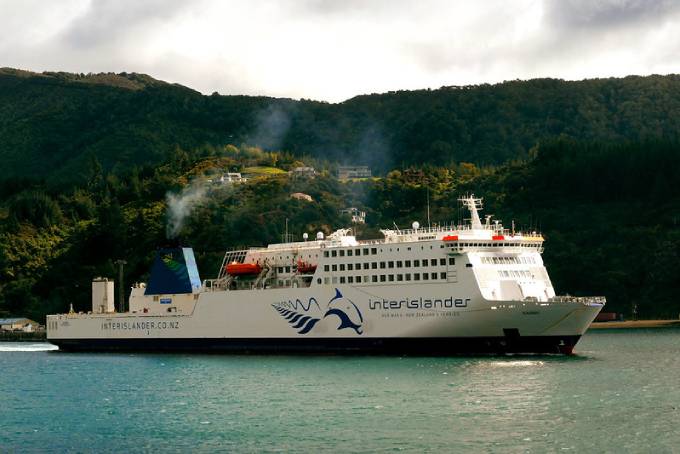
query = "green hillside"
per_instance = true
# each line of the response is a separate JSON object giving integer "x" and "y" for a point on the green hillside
{"x": 51, "y": 123}
{"x": 91, "y": 164}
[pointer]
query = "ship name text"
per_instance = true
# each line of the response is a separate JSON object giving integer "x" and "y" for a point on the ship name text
{"x": 418, "y": 303}
{"x": 142, "y": 326}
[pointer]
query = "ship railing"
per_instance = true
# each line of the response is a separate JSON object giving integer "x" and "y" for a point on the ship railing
{"x": 587, "y": 300}
{"x": 215, "y": 285}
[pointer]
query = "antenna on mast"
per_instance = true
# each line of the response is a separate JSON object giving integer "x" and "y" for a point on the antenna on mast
{"x": 473, "y": 204}
{"x": 428, "y": 208}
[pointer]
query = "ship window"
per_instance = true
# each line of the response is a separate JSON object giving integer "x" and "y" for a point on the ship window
{"x": 365, "y": 251}
{"x": 335, "y": 280}
{"x": 433, "y": 262}
{"x": 280, "y": 269}
{"x": 357, "y": 279}
{"x": 416, "y": 276}
{"x": 287, "y": 282}
{"x": 342, "y": 279}
{"x": 407, "y": 264}
{"x": 390, "y": 264}
{"x": 442, "y": 262}
{"x": 318, "y": 280}
{"x": 326, "y": 280}
{"x": 433, "y": 276}
{"x": 350, "y": 279}
{"x": 390, "y": 277}
{"x": 374, "y": 265}
{"x": 325, "y": 253}
{"x": 452, "y": 261}
{"x": 357, "y": 266}
{"x": 365, "y": 265}
{"x": 374, "y": 251}
{"x": 399, "y": 263}
{"x": 442, "y": 275}
{"x": 326, "y": 268}
{"x": 400, "y": 277}
{"x": 468, "y": 265}
{"x": 342, "y": 267}
{"x": 350, "y": 267}
{"x": 357, "y": 252}
{"x": 335, "y": 267}
{"x": 287, "y": 269}
{"x": 425, "y": 276}
{"x": 408, "y": 248}
{"x": 441, "y": 246}
{"x": 334, "y": 253}
{"x": 374, "y": 278}
{"x": 416, "y": 263}
{"x": 342, "y": 252}
{"x": 408, "y": 276}
{"x": 382, "y": 264}
{"x": 382, "y": 278}
{"x": 349, "y": 252}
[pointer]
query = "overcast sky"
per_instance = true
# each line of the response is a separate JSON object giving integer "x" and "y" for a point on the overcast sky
{"x": 336, "y": 49}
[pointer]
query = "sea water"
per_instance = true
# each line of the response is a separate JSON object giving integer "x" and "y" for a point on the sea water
{"x": 619, "y": 393}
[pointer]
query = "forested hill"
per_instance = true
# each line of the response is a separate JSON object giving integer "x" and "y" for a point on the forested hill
{"x": 51, "y": 124}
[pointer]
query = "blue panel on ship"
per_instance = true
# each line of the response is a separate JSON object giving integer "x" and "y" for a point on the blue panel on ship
{"x": 174, "y": 271}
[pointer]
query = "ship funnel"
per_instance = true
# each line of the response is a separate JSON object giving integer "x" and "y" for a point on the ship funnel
{"x": 174, "y": 271}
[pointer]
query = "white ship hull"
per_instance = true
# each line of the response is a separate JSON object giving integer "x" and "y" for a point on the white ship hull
{"x": 427, "y": 319}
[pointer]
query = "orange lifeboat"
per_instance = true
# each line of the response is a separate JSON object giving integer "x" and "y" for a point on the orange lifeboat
{"x": 305, "y": 268}
{"x": 243, "y": 269}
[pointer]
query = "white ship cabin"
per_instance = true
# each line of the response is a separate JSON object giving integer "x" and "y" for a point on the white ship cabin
{"x": 505, "y": 265}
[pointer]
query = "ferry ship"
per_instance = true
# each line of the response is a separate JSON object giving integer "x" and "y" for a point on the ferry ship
{"x": 476, "y": 288}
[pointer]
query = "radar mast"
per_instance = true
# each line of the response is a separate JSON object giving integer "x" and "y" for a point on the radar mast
{"x": 473, "y": 204}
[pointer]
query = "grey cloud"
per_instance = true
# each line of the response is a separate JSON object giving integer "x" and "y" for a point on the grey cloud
{"x": 331, "y": 7}
{"x": 107, "y": 21}
{"x": 603, "y": 14}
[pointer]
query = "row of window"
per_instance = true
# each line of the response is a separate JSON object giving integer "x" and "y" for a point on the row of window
{"x": 405, "y": 277}
{"x": 509, "y": 260}
{"x": 515, "y": 273}
{"x": 350, "y": 252}
{"x": 493, "y": 244}
{"x": 364, "y": 251}
{"x": 389, "y": 264}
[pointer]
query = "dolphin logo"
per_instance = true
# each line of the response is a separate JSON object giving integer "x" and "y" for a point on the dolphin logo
{"x": 348, "y": 312}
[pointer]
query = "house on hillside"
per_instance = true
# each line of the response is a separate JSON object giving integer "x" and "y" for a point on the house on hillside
{"x": 18, "y": 324}
{"x": 303, "y": 172}
{"x": 348, "y": 172}
{"x": 228, "y": 178}
{"x": 357, "y": 216}
{"x": 301, "y": 196}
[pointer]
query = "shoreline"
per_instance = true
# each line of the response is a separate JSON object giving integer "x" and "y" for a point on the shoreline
{"x": 10, "y": 336}
{"x": 636, "y": 324}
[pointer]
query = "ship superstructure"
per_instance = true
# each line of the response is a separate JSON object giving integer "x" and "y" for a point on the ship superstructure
{"x": 473, "y": 288}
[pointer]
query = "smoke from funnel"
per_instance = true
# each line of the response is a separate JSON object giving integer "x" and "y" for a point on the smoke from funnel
{"x": 272, "y": 125}
{"x": 180, "y": 206}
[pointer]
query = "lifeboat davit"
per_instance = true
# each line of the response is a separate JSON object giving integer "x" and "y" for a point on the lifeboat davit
{"x": 305, "y": 268}
{"x": 243, "y": 269}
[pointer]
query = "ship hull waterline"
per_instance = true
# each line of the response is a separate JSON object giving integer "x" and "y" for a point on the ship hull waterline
{"x": 452, "y": 346}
